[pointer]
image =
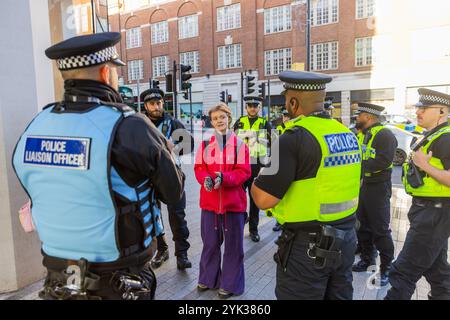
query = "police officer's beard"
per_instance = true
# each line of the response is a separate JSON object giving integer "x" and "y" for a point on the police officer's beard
{"x": 359, "y": 125}
{"x": 155, "y": 115}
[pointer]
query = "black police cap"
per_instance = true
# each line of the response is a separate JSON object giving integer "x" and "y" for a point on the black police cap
{"x": 152, "y": 94}
{"x": 369, "y": 108}
{"x": 304, "y": 81}
{"x": 86, "y": 51}
{"x": 430, "y": 97}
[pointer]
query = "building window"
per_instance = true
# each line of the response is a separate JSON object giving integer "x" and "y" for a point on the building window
{"x": 324, "y": 12}
{"x": 230, "y": 57}
{"x": 188, "y": 27}
{"x": 160, "y": 32}
{"x": 229, "y": 17}
{"x": 277, "y": 19}
{"x": 191, "y": 59}
{"x": 160, "y": 66}
{"x": 134, "y": 38}
{"x": 365, "y": 8}
{"x": 363, "y": 48}
{"x": 324, "y": 56}
{"x": 135, "y": 70}
{"x": 277, "y": 61}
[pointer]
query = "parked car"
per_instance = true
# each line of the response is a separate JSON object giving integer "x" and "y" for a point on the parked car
{"x": 402, "y": 122}
{"x": 404, "y": 139}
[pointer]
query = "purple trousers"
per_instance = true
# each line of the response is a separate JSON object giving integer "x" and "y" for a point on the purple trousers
{"x": 215, "y": 229}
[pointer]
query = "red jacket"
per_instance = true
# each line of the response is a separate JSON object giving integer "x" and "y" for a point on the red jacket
{"x": 231, "y": 196}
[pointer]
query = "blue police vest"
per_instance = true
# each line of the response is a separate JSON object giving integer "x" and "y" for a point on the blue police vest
{"x": 165, "y": 127}
{"x": 63, "y": 163}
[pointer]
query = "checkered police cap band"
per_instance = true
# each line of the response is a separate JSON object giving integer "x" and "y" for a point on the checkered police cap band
{"x": 153, "y": 96}
{"x": 252, "y": 102}
{"x": 305, "y": 87}
{"x": 369, "y": 110}
{"x": 87, "y": 60}
{"x": 431, "y": 99}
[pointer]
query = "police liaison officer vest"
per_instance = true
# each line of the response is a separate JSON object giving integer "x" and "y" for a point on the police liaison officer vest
{"x": 258, "y": 149}
{"x": 368, "y": 152}
{"x": 333, "y": 193}
{"x": 430, "y": 187}
{"x": 63, "y": 162}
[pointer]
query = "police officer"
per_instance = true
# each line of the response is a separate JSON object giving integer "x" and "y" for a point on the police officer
{"x": 427, "y": 178}
{"x": 314, "y": 195}
{"x": 92, "y": 167}
{"x": 378, "y": 150}
{"x": 255, "y": 132}
{"x": 167, "y": 125}
{"x": 280, "y": 129}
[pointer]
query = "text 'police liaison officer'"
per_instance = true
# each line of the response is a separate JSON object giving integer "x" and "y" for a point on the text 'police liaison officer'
{"x": 314, "y": 195}
{"x": 96, "y": 219}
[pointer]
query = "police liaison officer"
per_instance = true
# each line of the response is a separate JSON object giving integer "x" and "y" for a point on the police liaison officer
{"x": 314, "y": 195}
{"x": 92, "y": 169}
{"x": 255, "y": 132}
{"x": 427, "y": 178}
{"x": 167, "y": 125}
{"x": 378, "y": 150}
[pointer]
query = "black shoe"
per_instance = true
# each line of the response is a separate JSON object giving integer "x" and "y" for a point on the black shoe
{"x": 276, "y": 227}
{"x": 361, "y": 266}
{"x": 183, "y": 262}
{"x": 202, "y": 287}
{"x": 224, "y": 294}
{"x": 384, "y": 275}
{"x": 255, "y": 236}
{"x": 158, "y": 260}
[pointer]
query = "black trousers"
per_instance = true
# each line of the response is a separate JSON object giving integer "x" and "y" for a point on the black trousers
{"x": 303, "y": 281}
{"x": 424, "y": 254}
{"x": 254, "y": 210}
{"x": 179, "y": 228}
{"x": 374, "y": 215}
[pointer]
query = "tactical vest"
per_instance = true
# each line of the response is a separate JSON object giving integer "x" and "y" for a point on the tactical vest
{"x": 333, "y": 193}
{"x": 258, "y": 149}
{"x": 368, "y": 152}
{"x": 430, "y": 187}
{"x": 63, "y": 160}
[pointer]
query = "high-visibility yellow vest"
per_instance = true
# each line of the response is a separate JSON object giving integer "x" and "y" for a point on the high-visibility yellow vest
{"x": 368, "y": 152}
{"x": 431, "y": 187}
{"x": 258, "y": 149}
{"x": 333, "y": 193}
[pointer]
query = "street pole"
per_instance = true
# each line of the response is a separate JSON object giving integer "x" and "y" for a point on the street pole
{"x": 308, "y": 35}
{"x": 139, "y": 95}
{"x": 190, "y": 110}
{"x": 242, "y": 94}
{"x": 175, "y": 93}
{"x": 93, "y": 16}
{"x": 269, "y": 102}
{"x": 107, "y": 15}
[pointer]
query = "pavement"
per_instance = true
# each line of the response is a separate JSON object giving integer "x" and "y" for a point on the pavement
{"x": 259, "y": 265}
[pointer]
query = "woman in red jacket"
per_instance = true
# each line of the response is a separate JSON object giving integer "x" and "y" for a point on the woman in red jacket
{"x": 222, "y": 166}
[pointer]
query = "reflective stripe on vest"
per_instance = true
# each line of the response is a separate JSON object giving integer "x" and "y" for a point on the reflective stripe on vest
{"x": 370, "y": 153}
{"x": 258, "y": 149}
{"x": 62, "y": 160}
{"x": 431, "y": 187}
{"x": 333, "y": 194}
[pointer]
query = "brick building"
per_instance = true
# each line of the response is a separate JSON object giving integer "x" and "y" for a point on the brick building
{"x": 372, "y": 48}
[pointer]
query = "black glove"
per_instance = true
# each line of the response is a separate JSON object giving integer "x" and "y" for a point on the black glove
{"x": 208, "y": 184}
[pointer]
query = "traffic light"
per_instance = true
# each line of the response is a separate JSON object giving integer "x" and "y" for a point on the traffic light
{"x": 186, "y": 95}
{"x": 155, "y": 84}
{"x": 169, "y": 82}
{"x": 262, "y": 90}
{"x": 222, "y": 96}
{"x": 250, "y": 84}
{"x": 184, "y": 77}
{"x": 229, "y": 98}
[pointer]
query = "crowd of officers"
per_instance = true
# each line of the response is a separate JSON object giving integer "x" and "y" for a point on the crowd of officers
{"x": 100, "y": 218}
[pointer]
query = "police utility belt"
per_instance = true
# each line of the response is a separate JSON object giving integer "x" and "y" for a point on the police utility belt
{"x": 79, "y": 280}
{"x": 325, "y": 244}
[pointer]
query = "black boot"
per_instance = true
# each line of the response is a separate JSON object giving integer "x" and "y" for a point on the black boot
{"x": 159, "y": 258}
{"x": 255, "y": 236}
{"x": 183, "y": 262}
{"x": 362, "y": 265}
